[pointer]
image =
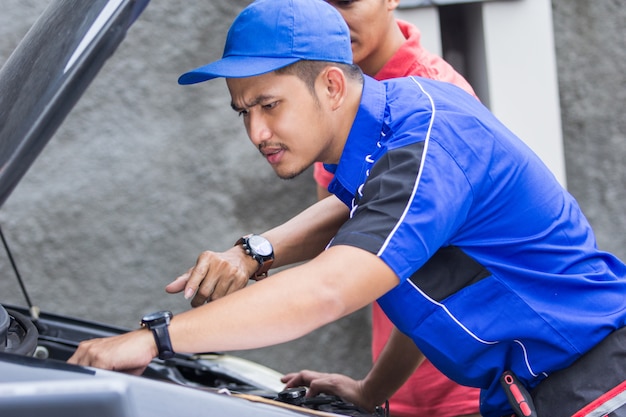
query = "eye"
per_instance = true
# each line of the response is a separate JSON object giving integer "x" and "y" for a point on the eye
{"x": 270, "y": 106}
{"x": 243, "y": 113}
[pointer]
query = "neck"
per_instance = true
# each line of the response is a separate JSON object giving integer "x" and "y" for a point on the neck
{"x": 393, "y": 40}
{"x": 344, "y": 120}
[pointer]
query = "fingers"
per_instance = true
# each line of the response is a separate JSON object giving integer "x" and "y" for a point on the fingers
{"x": 301, "y": 379}
{"x": 215, "y": 275}
{"x": 129, "y": 352}
{"x": 211, "y": 278}
{"x": 178, "y": 284}
{"x": 198, "y": 277}
{"x": 326, "y": 383}
{"x": 223, "y": 287}
{"x": 203, "y": 293}
{"x": 292, "y": 380}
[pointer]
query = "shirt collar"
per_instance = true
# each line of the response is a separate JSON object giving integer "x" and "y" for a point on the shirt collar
{"x": 350, "y": 173}
{"x": 403, "y": 62}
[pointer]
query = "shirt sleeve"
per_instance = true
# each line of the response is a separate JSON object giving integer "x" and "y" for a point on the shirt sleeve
{"x": 414, "y": 200}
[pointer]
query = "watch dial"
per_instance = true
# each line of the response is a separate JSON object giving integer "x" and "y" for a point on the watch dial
{"x": 260, "y": 245}
{"x": 157, "y": 315}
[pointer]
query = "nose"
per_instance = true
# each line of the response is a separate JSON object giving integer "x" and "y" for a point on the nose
{"x": 258, "y": 129}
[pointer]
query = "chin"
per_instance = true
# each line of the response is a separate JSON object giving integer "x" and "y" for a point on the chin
{"x": 288, "y": 174}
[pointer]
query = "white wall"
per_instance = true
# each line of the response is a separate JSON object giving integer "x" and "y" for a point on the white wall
{"x": 518, "y": 60}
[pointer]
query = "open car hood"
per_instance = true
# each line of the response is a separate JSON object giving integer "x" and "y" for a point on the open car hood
{"x": 48, "y": 72}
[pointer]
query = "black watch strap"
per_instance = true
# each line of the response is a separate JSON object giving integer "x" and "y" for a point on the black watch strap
{"x": 158, "y": 324}
{"x": 163, "y": 342}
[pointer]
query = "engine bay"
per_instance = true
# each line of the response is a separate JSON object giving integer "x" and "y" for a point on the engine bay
{"x": 47, "y": 341}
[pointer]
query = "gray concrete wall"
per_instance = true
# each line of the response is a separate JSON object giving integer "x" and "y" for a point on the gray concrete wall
{"x": 591, "y": 61}
{"x": 145, "y": 174}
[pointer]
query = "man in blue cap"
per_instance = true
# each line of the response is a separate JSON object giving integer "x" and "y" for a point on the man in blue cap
{"x": 476, "y": 253}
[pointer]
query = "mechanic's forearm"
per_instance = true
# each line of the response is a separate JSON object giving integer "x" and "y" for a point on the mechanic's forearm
{"x": 398, "y": 360}
{"x": 307, "y": 234}
{"x": 280, "y": 308}
{"x": 286, "y": 305}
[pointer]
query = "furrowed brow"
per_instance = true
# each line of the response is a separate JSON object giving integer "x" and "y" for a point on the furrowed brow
{"x": 257, "y": 100}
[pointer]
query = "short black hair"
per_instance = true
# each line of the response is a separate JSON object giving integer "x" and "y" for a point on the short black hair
{"x": 308, "y": 71}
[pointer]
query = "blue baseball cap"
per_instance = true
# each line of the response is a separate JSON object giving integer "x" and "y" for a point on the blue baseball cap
{"x": 271, "y": 34}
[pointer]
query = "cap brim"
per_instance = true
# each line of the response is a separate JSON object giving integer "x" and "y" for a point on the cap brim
{"x": 235, "y": 67}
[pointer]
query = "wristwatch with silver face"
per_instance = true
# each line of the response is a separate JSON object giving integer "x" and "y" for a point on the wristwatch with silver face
{"x": 158, "y": 323}
{"x": 261, "y": 250}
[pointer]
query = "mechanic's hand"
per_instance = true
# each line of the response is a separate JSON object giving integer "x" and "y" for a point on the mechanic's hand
{"x": 214, "y": 276}
{"x": 342, "y": 386}
{"x": 129, "y": 352}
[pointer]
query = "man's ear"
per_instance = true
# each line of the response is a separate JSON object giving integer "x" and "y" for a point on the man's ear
{"x": 334, "y": 83}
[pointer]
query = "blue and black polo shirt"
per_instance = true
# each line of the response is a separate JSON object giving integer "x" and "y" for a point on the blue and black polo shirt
{"x": 498, "y": 267}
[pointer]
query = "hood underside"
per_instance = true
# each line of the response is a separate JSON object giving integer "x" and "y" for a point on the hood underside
{"x": 48, "y": 72}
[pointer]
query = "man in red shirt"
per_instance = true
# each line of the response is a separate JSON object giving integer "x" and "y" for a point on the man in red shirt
{"x": 385, "y": 47}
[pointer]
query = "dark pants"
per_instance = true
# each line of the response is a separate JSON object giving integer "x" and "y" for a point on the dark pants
{"x": 593, "y": 386}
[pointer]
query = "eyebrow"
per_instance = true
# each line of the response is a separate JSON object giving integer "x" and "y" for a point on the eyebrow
{"x": 258, "y": 99}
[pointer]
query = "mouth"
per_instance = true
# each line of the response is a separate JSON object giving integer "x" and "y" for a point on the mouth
{"x": 273, "y": 154}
